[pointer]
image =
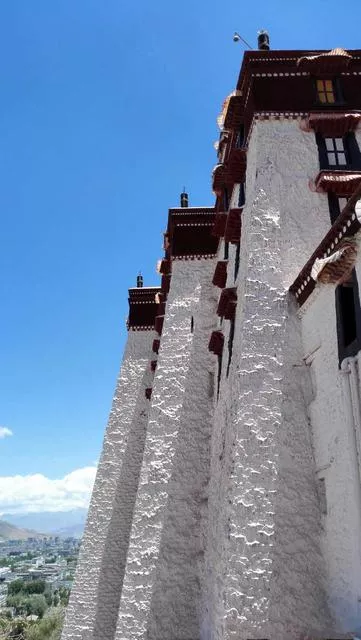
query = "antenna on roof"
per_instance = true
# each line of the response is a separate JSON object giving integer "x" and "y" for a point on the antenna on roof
{"x": 237, "y": 38}
{"x": 139, "y": 280}
{"x": 184, "y": 198}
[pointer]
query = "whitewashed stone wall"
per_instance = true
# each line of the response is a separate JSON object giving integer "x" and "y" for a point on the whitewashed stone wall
{"x": 237, "y": 516}
{"x": 235, "y": 197}
{"x": 94, "y": 601}
{"x": 264, "y": 561}
{"x": 161, "y": 592}
{"x": 337, "y": 470}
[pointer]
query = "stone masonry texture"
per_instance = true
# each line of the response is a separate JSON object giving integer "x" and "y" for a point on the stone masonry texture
{"x": 94, "y": 601}
{"x": 232, "y": 513}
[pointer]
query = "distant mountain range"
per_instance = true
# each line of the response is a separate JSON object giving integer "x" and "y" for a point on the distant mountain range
{"x": 11, "y": 532}
{"x": 55, "y": 523}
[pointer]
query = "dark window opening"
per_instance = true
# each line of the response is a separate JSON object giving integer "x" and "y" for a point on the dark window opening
{"x": 240, "y": 137}
{"x": 353, "y": 151}
{"x": 348, "y": 318}
{"x": 225, "y": 200}
{"x": 236, "y": 261}
{"x": 192, "y": 324}
{"x": 219, "y": 374}
{"x": 241, "y": 195}
{"x": 226, "y": 251}
{"x": 230, "y": 344}
{"x": 339, "y": 153}
{"x": 336, "y": 206}
{"x": 347, "y": 306}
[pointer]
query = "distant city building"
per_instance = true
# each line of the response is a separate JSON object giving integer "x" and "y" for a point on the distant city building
{"x": 227, "y": 503}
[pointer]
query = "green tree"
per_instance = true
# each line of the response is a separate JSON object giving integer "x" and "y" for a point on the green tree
{"x": 36, "y": 605}
{"x": 19, "y": 602}
{"x": 16, "y": 587}
{"x": 64, "y": 594}
{"x": 27, "y": 588}
{"x": 36, "y": 586}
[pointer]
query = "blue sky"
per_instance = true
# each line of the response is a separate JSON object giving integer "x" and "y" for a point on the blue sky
{"x": 107, "y": 109}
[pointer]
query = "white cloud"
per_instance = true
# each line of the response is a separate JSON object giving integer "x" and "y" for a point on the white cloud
{"x": 4, "y": 432}
{"x": 35, "y": 493}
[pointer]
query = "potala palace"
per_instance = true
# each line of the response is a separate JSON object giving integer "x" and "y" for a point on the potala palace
{"x": 227, "y": 503}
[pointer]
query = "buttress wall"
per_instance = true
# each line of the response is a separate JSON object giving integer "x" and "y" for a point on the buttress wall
{"x": 263, "y": 558}
{"x": 161, "y": 591}
{"x": 94, "y": 601}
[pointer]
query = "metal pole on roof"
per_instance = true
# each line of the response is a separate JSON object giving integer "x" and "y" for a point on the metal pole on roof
{"x": 237, "y": 38}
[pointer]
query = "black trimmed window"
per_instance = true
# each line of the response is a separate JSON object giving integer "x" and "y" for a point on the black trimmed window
{"x": 336, "y": 152}
{"x": 348, "y": 315}
{"x": 339, "y": 153}
{"x": 336, "y": 206}
{"x": 326, "y": 91}
{"x": 230, "y": 344}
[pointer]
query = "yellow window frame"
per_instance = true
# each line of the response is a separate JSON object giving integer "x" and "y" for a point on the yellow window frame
{"x": 326, "y": 91}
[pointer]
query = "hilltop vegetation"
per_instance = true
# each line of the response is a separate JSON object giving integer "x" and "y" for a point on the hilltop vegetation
{"x": 49, "y": 628}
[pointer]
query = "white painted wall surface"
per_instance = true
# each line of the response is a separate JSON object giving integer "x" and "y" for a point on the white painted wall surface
{"x": 94, "y": 601}
{"x": 227, "y": 539}
{"x": 335, "y": 454}
{"x": 180, "y": 576}
{"x": 264, "y": 561}
{"x": 235, "y": 197}
{"x": 160, "y": 598}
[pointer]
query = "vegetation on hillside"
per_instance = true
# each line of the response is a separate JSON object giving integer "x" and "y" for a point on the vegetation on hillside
{"x": 49, "y": 628}
{"x": 34, "y": 598}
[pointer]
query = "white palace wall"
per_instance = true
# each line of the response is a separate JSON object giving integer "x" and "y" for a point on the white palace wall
{"x": 161, "y": 591}
{"x": 335, "y": 435}
{"x": 93, "y": 607}
{"x": 266, "y": 575}
{"x": 233, "y": 516}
